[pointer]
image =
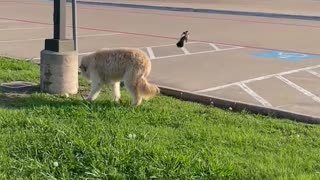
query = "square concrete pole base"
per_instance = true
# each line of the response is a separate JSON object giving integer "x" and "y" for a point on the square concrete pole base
{"x": 59, "y": 72}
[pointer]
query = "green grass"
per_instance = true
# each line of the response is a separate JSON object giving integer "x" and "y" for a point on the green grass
{"x": 52, "y": 137}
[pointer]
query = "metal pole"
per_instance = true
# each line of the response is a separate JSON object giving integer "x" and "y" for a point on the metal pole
{"x": 59, "y": 19}
{"x": 74, "y": 24}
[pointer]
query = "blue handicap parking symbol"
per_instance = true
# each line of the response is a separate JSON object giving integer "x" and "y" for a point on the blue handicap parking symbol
{"x": 287, "y": 56}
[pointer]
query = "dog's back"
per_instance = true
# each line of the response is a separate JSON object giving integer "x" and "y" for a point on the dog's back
{"x": 113, "y": 63}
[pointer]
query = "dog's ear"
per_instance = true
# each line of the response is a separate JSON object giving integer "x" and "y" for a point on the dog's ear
{"x": 82, "y": 67}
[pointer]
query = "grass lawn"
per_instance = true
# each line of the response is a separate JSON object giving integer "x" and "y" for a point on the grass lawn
{"x": 53, "y": 137}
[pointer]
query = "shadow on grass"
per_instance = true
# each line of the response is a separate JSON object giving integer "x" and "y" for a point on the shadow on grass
{"x": 30, "y": 101}
{"x": 20, "y": 90}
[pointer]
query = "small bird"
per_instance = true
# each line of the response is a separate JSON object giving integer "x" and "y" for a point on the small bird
{"x": 184, "y": 38}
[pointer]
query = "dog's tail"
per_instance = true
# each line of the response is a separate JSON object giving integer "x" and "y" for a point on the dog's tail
{"x": 147, "y": 90}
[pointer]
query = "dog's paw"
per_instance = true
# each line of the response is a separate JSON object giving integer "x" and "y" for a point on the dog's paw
{"x": 89, "y": 99}
{"x": 117, "y": 100}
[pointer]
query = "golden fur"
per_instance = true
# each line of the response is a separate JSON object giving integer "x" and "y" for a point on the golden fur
{"x": 110, "y": 66}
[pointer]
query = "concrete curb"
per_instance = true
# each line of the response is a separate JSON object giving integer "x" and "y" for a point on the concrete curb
{"x": 212, "y": 11}
{"x": 238, "y": 106}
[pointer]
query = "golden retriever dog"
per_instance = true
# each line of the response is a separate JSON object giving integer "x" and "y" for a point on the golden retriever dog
{"x": 111, "y": 66}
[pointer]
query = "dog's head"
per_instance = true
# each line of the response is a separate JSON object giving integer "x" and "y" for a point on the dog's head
{"x": 84, "y": 66}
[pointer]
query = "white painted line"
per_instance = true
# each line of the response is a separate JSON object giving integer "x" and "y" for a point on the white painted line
{"x": 150, "y": 52}
{"x": 216, "y": 88}
{"x": 25, "y": 40}
{"x": 5, "y": 21}
{"x": 26, "y": 28}
{"x": 177, "y": 55}
{"x": 258, "y": 79}
{"x": 254, "y": 95}
{"x": 214, "y": 46}
{"x": 165, "y": 45}
{"x": 39, "y": 39}
{"x": 131, "y": 47}
{"x": 189, "y": 42}
{"x": 185, "y": 51}
{"x": 97, "y": 35}
{"x": 313, "y": 73}
{"x": 298, "y": 70}
{"x": 302, "y": 90}
{"x": 79, "y": 54}
{"x": 85, "y": 53}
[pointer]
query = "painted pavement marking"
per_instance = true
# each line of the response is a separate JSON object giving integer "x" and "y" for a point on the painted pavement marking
{"x": 287, "y": 56}
{"x": 313, "y": 73}
{"x": 150, "y": 52}
{"x": 153, "y": 57}
{"x": 185, "y": 51}
{"x": 254, "y": 94}
{"x": 5, "y": 21}
{"x": 202, "y": 52}
{"x": 299, "y": 88}
{"x": 214, "y": 46}
{"x": 26, "y": 28}
{"x": 257, "y": 79}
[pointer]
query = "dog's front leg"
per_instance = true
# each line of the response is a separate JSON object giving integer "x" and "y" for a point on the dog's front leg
{"x": 95, "y": 90}
{"x": 116, "y": 91}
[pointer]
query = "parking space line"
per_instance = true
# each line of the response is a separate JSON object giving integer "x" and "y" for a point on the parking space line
{"x": 257, "y": 79}
{"x": 85, "y": 53}
{"x": 214, "y": 46}
{"x": 299, "y": 88}
{"x": 25, "y": 40}
{"x": 38, "y": 39}
{"x": 202, "y": 52}
{"x": 97, "y": 35}
{"x": 185, "y": 51}
{"x": 150, "y": 52}
{"x": 254, "y": 94}
{"x": 313, "y": 73}
{"x": 165, "y": 45}
{"x": 147, "y": 47}
{"x": 5, "y": 21}
{"x": 27, "y": 28}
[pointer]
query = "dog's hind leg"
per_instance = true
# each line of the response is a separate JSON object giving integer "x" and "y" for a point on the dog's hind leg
{"x": 130, "y": 82}
{"x": 132, "y": 88}
{"x": 116, "y": 91}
